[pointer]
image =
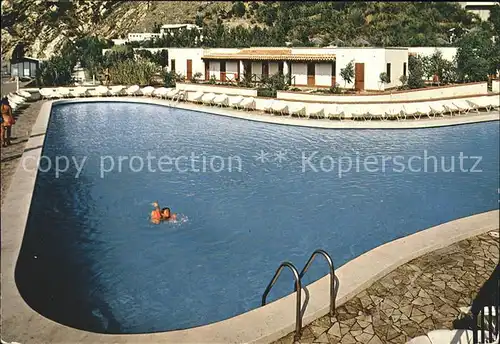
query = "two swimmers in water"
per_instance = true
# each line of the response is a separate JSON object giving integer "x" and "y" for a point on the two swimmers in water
{"x": 158, "y": 215}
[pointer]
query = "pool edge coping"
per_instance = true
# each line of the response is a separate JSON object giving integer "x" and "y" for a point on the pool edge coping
{"x": 22, "y": 324}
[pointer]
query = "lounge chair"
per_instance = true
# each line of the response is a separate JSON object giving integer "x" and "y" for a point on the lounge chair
{"x": 221, "y": 100}
{"x": 116, "y": 90}
{"x": 208, "y": 98}
{"x": 63, "y": 91}
{"x": 235, "y": 102}
{"x": 197, "y": 97}
{"x": 102, "y": 90}
{"x": 147, "y": 91}
{"x": 172, "y": 93}
{"x": 423, "y": 109}
{"x": 132, "y": 90}
{"x": 268, "y": 105}
{"x": 280, "y": 107}
{"x": 411, "y": 110}
{"x": 297, "y": 109}
{"x": 462, "y": 106}
{"x": 450, "y": 108}
{"x": 47, "y": 93}
{"x": 316, "y": 111}
{"x": 78, "y": 92}
{"x": 360, "y": 112}
{"x": 93, "y": 92}
{"x": 436, "y": 108}
{"x": 335, "y": 111}
{"x": 393, "y": 111}
{"x": 377, "y": 111}
{"x": 248, "y": 103}
{"x": 484, "y": 102}
{"x": 24, "y": 94}
{"x": 160, "y": 92}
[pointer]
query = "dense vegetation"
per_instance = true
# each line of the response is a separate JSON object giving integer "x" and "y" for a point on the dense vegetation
{"x": 307, "y": 24}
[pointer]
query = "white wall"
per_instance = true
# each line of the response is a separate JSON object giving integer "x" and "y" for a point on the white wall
{"x": 396, "y": 57}
{"x": 181, "y": 55}
{"x": 299, "y": 71}
{"x": 432, "y": 93}
{"x": 373, "y": 58}
{"x": 495, "y": 87}
{"x": 323, "y": 74}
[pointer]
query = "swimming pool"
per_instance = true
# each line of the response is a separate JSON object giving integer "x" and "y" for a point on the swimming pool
{"x": 90, "y": 258}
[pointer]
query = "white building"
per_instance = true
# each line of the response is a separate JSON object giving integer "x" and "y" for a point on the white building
{"x": 170, "y": 28}
{"x": 481, "y": 8}
{"x": 145, "y": 36}
{"x": 310, "y": 67}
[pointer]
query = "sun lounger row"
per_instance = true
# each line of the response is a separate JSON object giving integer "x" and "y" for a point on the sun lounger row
{"x": 223, "y": 100}
{"x": 397, "y": 111}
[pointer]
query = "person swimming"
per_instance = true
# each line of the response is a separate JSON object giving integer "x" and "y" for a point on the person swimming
{"x": 167, "y": 215}
{"x": 164, "y": 214}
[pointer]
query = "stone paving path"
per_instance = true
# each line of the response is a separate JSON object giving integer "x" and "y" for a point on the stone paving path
{"x": 416, "y": 298}
{"x": 25, "y": 118}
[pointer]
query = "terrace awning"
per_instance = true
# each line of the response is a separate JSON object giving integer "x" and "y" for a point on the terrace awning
{"x": 269, "y": 55}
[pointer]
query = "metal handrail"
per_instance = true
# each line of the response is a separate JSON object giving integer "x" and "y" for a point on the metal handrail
{"x": 298, "y": 291}
{"x": 332, "y": 275}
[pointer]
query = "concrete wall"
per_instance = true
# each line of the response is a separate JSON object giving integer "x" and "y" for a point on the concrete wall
{"x": 396, "y": 57}
{"x": 299, "y": 71}
{"x": 373, "y": 58}
{"x": 495, "y": 87}
{"x": 323, "y": 75}
{"x": 431, "y": 93}
{"x": 193, "y": 88}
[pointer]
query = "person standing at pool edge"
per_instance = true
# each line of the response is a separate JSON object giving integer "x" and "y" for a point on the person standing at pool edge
{"x": 7, "y": 122}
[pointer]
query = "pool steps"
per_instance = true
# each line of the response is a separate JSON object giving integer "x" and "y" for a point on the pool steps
{"x": 298, "y": 286}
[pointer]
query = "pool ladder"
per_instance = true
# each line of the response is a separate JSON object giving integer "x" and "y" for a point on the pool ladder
{"x": 298, "y": 286}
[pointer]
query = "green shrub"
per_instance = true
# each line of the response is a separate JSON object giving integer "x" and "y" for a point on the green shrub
{"x": 212, "y": 80}
{"x": 265, "y": 92}
{"x": 130, "y": 72}
{"x": 196, "y": 77}
{"x": 57, "y": 71}
{"x": 170, "y": 79}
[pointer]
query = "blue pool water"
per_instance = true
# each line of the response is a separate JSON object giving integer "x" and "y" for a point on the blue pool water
{"x": 92, "y": 260}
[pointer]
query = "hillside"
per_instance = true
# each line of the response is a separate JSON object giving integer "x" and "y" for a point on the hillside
{"x": 44, "y": 26}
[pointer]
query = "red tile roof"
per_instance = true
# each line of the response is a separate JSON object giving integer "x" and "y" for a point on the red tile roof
{"x": 269, "y": 54}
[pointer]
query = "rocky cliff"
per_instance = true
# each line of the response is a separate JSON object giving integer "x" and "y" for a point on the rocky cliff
{"x": 43, "y": 26}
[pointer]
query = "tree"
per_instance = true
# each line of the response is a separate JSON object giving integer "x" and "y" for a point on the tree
{"x": 238, "y": 9}
{"x": 474, "y": 60}
{"x": 415, "y": 71}
{"x": 347, "y": 73}
{"x": 384, "y": 78}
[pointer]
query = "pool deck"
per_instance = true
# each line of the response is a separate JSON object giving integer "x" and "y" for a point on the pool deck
{"x": 420, "y": 296}
{"x": 22, "y": 324}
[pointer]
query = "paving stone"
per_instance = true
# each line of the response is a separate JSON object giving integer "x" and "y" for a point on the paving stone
{"x": 425, "y": 295}
{"x": 363, "y": 337}
{"x": 335, "y": 330}
{"x": 348, "y": 339}
{"x": 375, "y": 340}
{"x": 322, "y": 339}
